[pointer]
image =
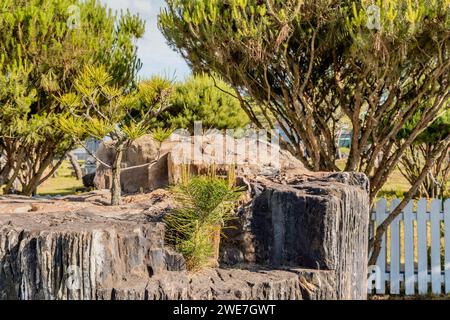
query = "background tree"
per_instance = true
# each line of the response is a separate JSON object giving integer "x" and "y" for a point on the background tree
{"x": 42, "y": 48}
{"x": 202, "y": 98}
{"x": 75, "y": 165}
{"x": 307, "y": 60}
{"x": 436, "y": 183}
{"x": 101, "y": 109}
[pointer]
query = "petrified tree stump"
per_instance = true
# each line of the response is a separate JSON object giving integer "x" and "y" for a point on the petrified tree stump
{"x": 318, "y": 222}
{"x": 299, "y": 237}
{"x": 72, "y": 256}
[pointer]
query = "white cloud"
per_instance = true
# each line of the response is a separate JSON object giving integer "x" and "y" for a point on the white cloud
{"x": 156, "y": 56}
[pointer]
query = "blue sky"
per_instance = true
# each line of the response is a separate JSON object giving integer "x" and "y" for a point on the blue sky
{"x": 156, "y": 56}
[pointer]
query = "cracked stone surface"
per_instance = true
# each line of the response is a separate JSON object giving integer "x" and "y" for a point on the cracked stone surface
{"x": 71, "y": 250}
{"x": 245, "y": 283}
{"x": 318, "y": 221}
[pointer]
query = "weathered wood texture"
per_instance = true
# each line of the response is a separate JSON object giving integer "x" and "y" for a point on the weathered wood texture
{"x": 313, "y": 230}
{"x": 318, "y": 223}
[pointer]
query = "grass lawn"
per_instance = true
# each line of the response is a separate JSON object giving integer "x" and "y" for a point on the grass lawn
{"x": 63, "y": 184}
{"x": 66, "y": 183}
{"x": 395, "y": 186}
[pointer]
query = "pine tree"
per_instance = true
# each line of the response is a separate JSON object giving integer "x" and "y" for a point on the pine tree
{"x": 100, "y": 109}
{"x": 43, "y": 46}
{"x": 206, "y": 99}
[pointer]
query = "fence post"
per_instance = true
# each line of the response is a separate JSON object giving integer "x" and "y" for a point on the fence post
{"x": 380, "y": 215}
{"x": 447, "y": 244}
{"x": 422, "y": 264}
{"x": 395, "y": 249}
{"x": 408, "y": 218}
{"x": 435, "y": 218}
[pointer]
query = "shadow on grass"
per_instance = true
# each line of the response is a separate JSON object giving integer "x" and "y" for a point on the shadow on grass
{"x": 62, "y": 192}
{"x": 391, "y": 194}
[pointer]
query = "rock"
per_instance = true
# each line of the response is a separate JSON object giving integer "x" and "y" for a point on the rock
{"x": 105, "y": 153}
{"x": 17, "y": 208}
{"x": 316, "y": 284}
{"x": 241, "y": 284}
{"x": 95, "y": 254}
{"x": 319, "y": 223}
{"x": 251, "y": 157}
{"x": 296, "y": 236}
{"x": 142, "y": 178}
{"x": 246, "y": 283}
{"x": 231, "y": 255}
{"x": 44, "y": 255}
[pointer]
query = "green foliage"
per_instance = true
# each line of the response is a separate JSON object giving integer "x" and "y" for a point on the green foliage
{"x": 413, "y": 160}
{"x": 203, "y": 206}
{"x": 198, "y": 99}
{"x": 99, "y": 108}
{"x": 41, "y": 54}
{"x": 162, "y": 134}
{"x": 436, "y": 132}
{"x": 313, "y": 63}
{"x": 135, "y": 130}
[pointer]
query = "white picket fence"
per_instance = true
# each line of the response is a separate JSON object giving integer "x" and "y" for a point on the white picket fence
{"x": 416, "y": 262}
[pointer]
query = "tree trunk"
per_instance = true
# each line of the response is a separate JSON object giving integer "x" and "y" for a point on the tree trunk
{"x": 11, "y": 184}
{"x": 5, "y": 173}
{"x": 16, "y": 171}
{"x": 30, "y": 188}
{"x": 75, "y": 165}
{"x": 116, "y": 189}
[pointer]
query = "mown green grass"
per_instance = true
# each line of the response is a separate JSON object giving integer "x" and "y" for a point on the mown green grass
{"x": 395, "y": 187}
